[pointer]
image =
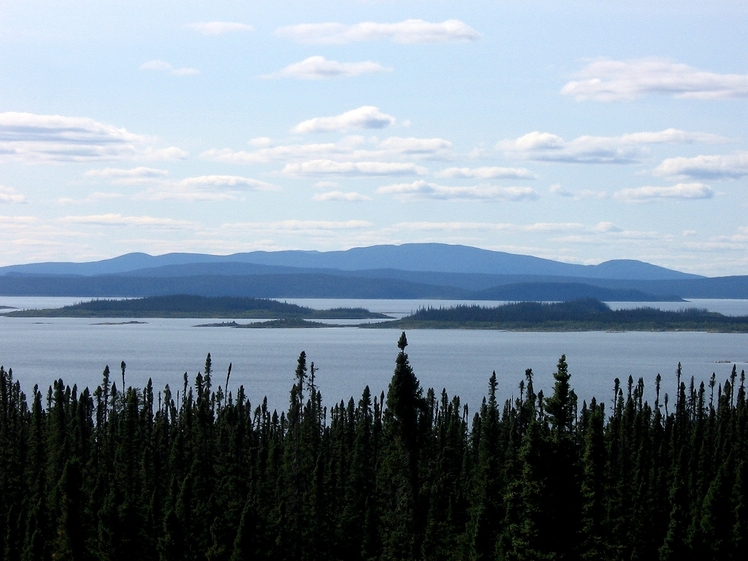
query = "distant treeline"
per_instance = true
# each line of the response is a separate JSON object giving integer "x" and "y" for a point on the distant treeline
{"x": 576, "y": 315}
{"x": 183, "y": 305}
{"x": 201, "y": 474}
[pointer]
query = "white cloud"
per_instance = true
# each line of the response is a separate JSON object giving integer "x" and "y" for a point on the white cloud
{"x": 408, "y": 31}
{"x": 340, "y": 196}
{"x": 218, "y": 27}
{"x": 163, "y": 66}
{"x": 558, "y": 190}
{"x": 205, "y": 188}
{"x": 300, "y": 225}
{"x": 186, "y": 195}
{"x": 92, "y": 198}
{"x": 8, "y": 195}
{"x": 170, "y": 153}
{"x": 54, "y": 138}
{"x": 488, "y": 173}
{"x": 730, "y": 166}
{"x": 542, "y": 227}
{"x": 319, "y": 68}
{"x": 366, "y": 117}
{"x": 20, "y": 221}
{"x": 344, "y": 148}
{"x": 424, "y": 147}
{"x": 347, "y": 149}
{"x": 128, "y": 176}
{"x": 231, "y": 181}
{"x": 260, "y": 142}
{"x": 329, "y": 167}
{"x": 582, "y": 195}
{"x": 613, "y": 80}
{"x": 679, "y": 191}
{"x": 156, "y": 64}
{"x": 627, "y": 148}
{"x": 418, "y": 190}
{"x": 119, "y": 220}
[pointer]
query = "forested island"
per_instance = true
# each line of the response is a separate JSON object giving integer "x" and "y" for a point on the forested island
{"x": 202, "y": 473}
{"x": 283, "y": 323}
{"x": 190, "y": 306}
{"x": 575, "y": 315}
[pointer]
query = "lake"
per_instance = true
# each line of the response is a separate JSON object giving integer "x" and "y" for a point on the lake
{"x": 264, "y": 360}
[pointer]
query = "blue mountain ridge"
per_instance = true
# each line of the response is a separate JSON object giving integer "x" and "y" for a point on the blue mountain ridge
{"x": 429, "y": 257}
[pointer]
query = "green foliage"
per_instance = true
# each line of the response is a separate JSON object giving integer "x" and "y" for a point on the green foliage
{"x": 575, "y": 315}
{"x": 119, "y": 473}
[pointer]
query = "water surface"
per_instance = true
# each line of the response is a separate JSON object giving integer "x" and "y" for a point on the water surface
{"x": 264, "y": 360}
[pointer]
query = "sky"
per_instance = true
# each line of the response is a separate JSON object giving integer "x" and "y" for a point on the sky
{"x": 579, "y": 131}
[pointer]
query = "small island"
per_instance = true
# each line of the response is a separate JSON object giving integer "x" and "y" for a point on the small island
{"x": 283, "y": 323}
{"x": 187, "y": 306}
{"x": 575, "y": 315}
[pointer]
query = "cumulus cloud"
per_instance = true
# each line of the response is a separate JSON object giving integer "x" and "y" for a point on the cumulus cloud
{"x": 330, "y": 167}
{"x": 128, "y": 176}
{"x": 260, "y": 142}
{"x": 341, "y": 196}
{"x": 170, "y": 153}
{"x": 423, "y": 147}
{"x": 301, "y": 226}
{"x": 8, "y": 195}
{"x": 232, "y": 181}
{"x": 54, "y": 138}
{"x": 218, "y": 27}
{"x": 163, "y": 66}
{"x": 20, "y": 221}
{"x": 627, "y": 148}
{"x": 487, "y": 173}
{"x": 679, "y": 191}
{"x": 614, "y": 80}
{"x": 418, "y": 190}
{"x": 730, "y": 166}
{"x": 205, "y": 188}
{"x": 120, "y": 220}
{"x": 407, "y": 31}
{"x": 366, "y": 117}
{"x": 348, "y": 149}
{"x": 132, "y": 172}
{"x": 345, "y": 148}
{"x": 543, "y": 227}
{"x": 92, "y": 198}
{"x": 582, "y": 195}
{"x": 319, "y": 68}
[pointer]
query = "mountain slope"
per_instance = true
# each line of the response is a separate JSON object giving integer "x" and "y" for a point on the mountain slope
{"x": 439, "y": 258}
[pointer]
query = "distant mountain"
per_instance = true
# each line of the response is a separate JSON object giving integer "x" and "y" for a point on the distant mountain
{"x": 389, "y": 284}
{"x": 436, "y": 258}
{"x": 384, "y": 271}
{"x": 254, "y": 286}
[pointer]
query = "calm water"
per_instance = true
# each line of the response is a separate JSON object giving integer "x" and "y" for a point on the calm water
{"x": 41, "y": 350}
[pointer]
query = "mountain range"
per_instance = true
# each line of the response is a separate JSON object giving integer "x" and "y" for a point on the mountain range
{"x": 383, "y": 271}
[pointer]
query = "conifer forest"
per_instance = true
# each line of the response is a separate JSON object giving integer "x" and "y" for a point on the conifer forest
{"x": 199, "y": 472}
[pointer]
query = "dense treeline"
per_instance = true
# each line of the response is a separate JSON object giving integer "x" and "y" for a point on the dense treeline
{"x": 188, "y": 305}
{"x": 201, "y": 474}
{"x": 574, "y": 315}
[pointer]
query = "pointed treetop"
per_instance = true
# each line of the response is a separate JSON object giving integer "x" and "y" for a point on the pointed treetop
{"x": 403, "y": 342}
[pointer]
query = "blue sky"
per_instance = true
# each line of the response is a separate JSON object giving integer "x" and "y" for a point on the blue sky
{"x": 577, "y": 131}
